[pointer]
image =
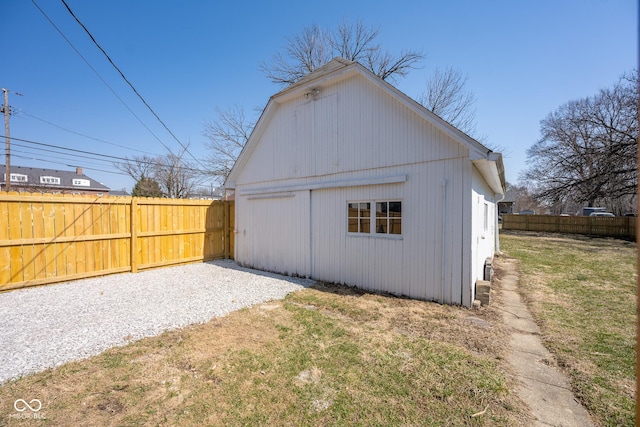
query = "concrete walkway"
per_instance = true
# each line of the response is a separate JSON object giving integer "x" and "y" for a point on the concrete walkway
{"x": 543, "y": 387}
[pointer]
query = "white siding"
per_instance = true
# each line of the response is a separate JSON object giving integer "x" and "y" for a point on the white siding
{"x": 352, "y": 126}
{"x": 483, "y": 225}
{"x": 355, "y": 130}
{"x": 425, "y": 262}
{"x": 273, "y": 233}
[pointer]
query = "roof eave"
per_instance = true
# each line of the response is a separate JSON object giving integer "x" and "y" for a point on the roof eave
{"x": 492, "y": 170}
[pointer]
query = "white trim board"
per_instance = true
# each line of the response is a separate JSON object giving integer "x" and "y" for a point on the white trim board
{"x": 394, "y": 179}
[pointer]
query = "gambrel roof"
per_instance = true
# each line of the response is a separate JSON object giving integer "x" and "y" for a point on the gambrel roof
{"x": 488, "y": 163}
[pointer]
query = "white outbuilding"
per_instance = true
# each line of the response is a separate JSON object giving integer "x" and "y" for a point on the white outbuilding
{"x": 345, "y": 179}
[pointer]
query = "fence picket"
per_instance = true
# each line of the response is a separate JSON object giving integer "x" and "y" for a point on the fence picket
{"x": 37, "y": 219}
{"x": 622, "y": 227}
{"x": 5, "y": 252}
{"x": 49, "y": 229}
{"x": 48, "y": 238}
{"x": 16, "y": 232}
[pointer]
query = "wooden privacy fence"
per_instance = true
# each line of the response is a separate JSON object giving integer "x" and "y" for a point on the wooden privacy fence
{"x": 47, "y": 238}
{"x": 622, "y": 227}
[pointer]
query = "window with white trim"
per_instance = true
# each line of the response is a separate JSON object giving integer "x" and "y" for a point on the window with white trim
{"x": 359, "y": 217}
{"x": 384, "y": 219}
{"x": 388, "y": 217}
{"x": 486, "y": 216}
{"x": 50, "y": 180}
{"x": 18, "y": 177}
{"x": 82, "y": 182}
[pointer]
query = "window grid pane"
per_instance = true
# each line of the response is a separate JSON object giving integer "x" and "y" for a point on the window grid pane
{"x": 388, "y": 217}
{"x": 358, "y": 217}
{"x": 395, "y": 226}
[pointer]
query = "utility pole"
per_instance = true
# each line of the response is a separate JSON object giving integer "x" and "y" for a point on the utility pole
{"x": 7, "y": 141}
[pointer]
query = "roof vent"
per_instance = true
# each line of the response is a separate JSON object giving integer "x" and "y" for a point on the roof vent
{"x": 313, "y": 93}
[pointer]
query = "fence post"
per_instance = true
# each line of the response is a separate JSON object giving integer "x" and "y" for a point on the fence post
{"x": 134, "y": 235}
{"x": 227, "y": 224}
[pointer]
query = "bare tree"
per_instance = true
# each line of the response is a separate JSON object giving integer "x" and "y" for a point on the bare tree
{"x": 353, "y": 42}
{"x": 304, "y": 53}
{"x": 448, "y": 97}
{"x": 138, "y": 168}
{"x": 175, "y": 177}
{"x": 314, "y": 47}
{"x": 226, "y": 136}
{"x": 588, "y": 148}
{"x": 523, "y": 200}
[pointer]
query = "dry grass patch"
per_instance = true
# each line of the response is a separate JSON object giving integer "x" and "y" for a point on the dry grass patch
{"x": 324, "y": 356}
{"x": 582, "y": 292}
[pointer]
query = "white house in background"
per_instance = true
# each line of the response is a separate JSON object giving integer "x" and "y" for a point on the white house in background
{"x": 345, "y": 179}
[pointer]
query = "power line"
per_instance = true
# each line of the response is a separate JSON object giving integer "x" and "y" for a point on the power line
{"x": 74, "y": 157}
{"x": 127, "y": 81}
{"x": 58, "y": 152}
{"x": 100, "y": 77}
{"x": 68, "y": 149}
{"x": 71, "y": 166}
{"x": 33, "y": 154}
{"x": 123, "y": 159}
{"x": 21, "y": 111}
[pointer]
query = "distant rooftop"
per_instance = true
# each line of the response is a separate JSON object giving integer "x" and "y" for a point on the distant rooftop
{"x": 23, "y": 176}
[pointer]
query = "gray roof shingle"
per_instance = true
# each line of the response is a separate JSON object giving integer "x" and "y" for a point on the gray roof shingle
{"x": 66, "y": 178}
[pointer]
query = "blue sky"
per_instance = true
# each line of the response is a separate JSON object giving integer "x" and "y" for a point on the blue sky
{"x": 522, "y": 59}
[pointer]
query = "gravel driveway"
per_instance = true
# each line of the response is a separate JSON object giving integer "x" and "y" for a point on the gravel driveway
{"x": 47, "y": 326}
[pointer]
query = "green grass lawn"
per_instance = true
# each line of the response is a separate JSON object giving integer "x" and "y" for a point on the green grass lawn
{"x": 582, "y": 292}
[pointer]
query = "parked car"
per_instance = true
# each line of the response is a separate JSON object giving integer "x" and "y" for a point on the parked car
{"x": 587, "y": 211}
{"x": 608, "y": 214}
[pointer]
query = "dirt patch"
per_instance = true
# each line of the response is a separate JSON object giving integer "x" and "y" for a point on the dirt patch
{"x": 419, "y": 318}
